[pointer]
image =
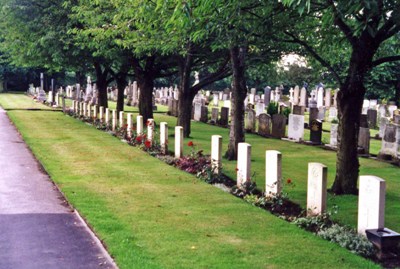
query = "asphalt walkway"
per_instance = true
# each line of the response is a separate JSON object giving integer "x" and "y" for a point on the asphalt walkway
{"x": 37, "y": 227}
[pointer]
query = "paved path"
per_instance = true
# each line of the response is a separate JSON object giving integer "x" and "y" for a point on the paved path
{"x": 37, "y": 227}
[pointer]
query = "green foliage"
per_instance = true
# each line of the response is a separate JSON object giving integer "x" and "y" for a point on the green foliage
{"x": 286, "y": 111}
{"x": 272, "y": 108}
{"x": 348, "y": 238}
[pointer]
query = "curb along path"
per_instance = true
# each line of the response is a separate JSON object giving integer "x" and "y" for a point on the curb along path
{"x": 37, "y": 227}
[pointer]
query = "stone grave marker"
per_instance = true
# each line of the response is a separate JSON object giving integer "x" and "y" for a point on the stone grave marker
{"x": 389, "y": 141}
{"x": 164, "y": 137}
{"x": 382, "y": 125}
{"x": 259, "y": 108}
{"x": 178, "y": 141}
{"x": 216, "y": 153}
{"x": 296, "y": 127}
{"x": 333, "y": 113}
{"x": 214, "y": 115}
{"x": 316, "y": 189}
{"x": 224, "y": 116}
{"x": 150, "y": 130}
{"x": 175, "y": 104}
{"x": 372, "y": 115}
{"x": 121, "y": 119}
{"x": 273, "y": 173}
{"x": 278, "y": 125}
{"x": 397, "y": 124}
{"x": 371, "y": 204}
{"x": 250, "y": 121}
{"x": 316, "y": 132}
{"x": 313, "y": 114}
{"x": 197, "y": 111}
{"x": 139, "y": 125}
{"x": 321, "y": 113}
{"x": 129, "y": 121}
{"x": 333, "y": 135}
{"x": 243, "y": 164}
{"x": 363, "y": 139}
{"x": 107, "y": 115}
{"x": 303, "y": 97}
{"x": 364, "y": 120}
{"x": 267, "y": 96}
{"x": 328, "y": 97}
{"x": 296, "y": 95}
{"x": 204, "y": 114}
{"x": 264, "y": 125}
{"x": 298, "y": 110}
{"x": 114, "y": 120}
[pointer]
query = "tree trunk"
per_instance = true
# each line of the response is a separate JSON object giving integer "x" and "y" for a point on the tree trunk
{"x": 186, "y": 95}
{"x": 349, "y": 100}
{"x": 236, "y": 133}
{"x": 121, "y": 84}
{"x": 101, "y": 83}
{"x": 145, "y": 79}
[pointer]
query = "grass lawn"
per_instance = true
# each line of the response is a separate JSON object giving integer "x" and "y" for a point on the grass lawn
{"x": 151, "y": 215}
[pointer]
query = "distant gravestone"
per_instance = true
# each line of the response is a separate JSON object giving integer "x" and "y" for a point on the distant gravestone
{"x": 389, "y": 141}
{"x": 278, "y": 125}
{"x": 364, "y": 121}
{"x": 267, "y": 96}
{"x": 204, "y": 114}
{"x": 316, "y": 189}
{"x": 328, "y": 97}
{"x": 298, "y": 110}
{"x": 175, "y": 109}
{"x": 382, "y": 125}
{"x": 197, "y": 111}
{"x": 224, "y": 116}
{"x": 397, "y": 124}
{"x": 363, "y": 139}
{"x": 251, "y": 121}
{"x": 372, "y": 116}
{"x": 259, "y": 108}
{"x": 296, "y": 127}
{"x": 333, "y": 135}
{"x": 215, "y": 99}
{"x": 264, "y": 125}
{"x": 333, "y": 113}
{"x": 303, "y": 97}
{"x": 321, "y": 113}
{"x": 296, "y": 95}
{"x": 316, "y": 132}
{"x": 214, "y": 115}
{"x": 313, "y": 114}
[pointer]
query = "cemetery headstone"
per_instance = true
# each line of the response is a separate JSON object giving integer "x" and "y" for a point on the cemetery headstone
{"x": 273, "y": 172}
{"x": 296, "y": 127}
{"x": 250, "y": 121}
{"x": 264, "y": 125}
{"x": 267, "y": 95}
{"x": 333, "y": 135}
{"x": 214, "y": 115}
{"x": 204, "y": 114}
{"x": 224, "y": 116}
{"x": 316, "y": 132}
{"x": 371, "y": 204}
{"x": 303, "y": 97}
{"x": 313, "y": 114}
{"x": 316, "y": 189}
{"x": 278, "y": 125}
{"x": 364, "y": 121}
{"x": 389, "y": 142}
{"x": 178, "y": 141}
{"x": 216, "y": 153}
{"x": 363, "y": 139}
{"x": 164, "y": 137}
{"x": 298, "y": 110}
{"x": 243, "y": 164}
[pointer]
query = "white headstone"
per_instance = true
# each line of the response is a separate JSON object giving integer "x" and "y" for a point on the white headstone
{"x": 243, "y": 163}
{"x": 150, "y": 129}
{"x": 164, "y": 137}
{"x": 107, "y": 116}
{"x": 121, "y": 119}
{"x": 333, "y": 135}
{"x": 216, "y": 153}
{"x": 101, "y": 114}
{"x": 139, "y": 125}
{"x": 197, "y": 111}
{"x": 371, "y": 203}
{"x": 320, "y": 97}
{"x": 260, "y": 108}
{"x": 328, "y": 97}
{"x": 296, "y": 95}
{"x": 273, "y": 172}
{"x": 114, "y": 120}
{"x": 296, "y": 127}
{"x": 129, "y": 124}
{"x": 316, "y": 189}
{"x": 333, "y": 113}
{"x": 178, "y": 141}
{"x": 303, "y": 97}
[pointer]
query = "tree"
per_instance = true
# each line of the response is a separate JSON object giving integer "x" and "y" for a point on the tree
{"x": 364, "y": 26}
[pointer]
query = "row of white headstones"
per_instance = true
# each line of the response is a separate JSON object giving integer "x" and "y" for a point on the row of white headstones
{"x": 372, "y": 189}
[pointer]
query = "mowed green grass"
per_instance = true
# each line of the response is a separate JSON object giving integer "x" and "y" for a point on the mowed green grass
{"x": 295, "y": 159}
{"x": 151, "y": 215}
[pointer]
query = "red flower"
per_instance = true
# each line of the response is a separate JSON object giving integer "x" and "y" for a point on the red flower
{"x": 139, "y": 139}
{"x": 289, "y": 181}
{"x": 190, "y": 144}
{"x": 147, "y": 144}
{"x": 236, "y": 169}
